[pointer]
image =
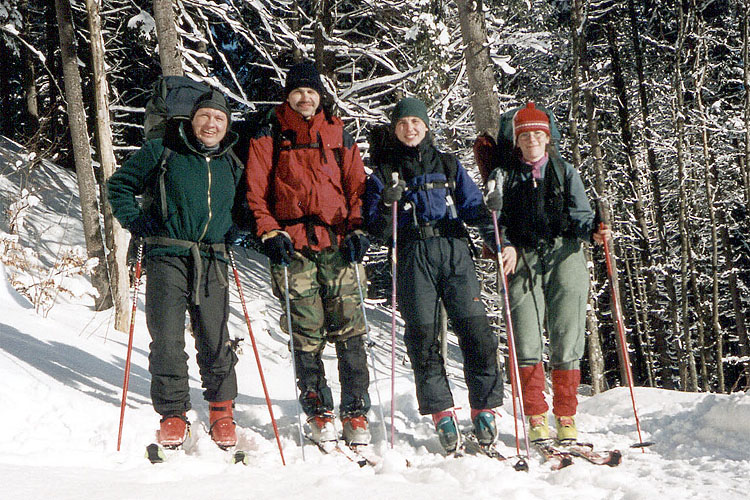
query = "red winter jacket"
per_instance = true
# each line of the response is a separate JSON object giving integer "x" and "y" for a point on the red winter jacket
{"x": 306, "y": 190}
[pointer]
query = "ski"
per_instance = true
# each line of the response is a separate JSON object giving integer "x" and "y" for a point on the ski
{"x": 365, "y": 452}
{"x": 333, "y": 447}
{"x": 555, "y": 458}
{"x": 488, "y": 450}
{"x": 612, "y": 458}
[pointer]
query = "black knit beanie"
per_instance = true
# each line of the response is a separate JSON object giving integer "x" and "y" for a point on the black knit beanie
{"x": 214, "y": 100}
{"x": 304, "y": 74}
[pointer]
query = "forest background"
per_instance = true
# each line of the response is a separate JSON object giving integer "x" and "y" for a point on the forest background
{"x": 652, "y": 96}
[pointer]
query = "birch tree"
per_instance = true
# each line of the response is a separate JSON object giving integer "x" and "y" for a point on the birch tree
{"x": 87, "y": 187}
{"x": 116, "y": 237}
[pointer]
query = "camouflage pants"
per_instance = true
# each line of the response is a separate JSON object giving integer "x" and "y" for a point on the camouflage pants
{"x": 324, "y": 299}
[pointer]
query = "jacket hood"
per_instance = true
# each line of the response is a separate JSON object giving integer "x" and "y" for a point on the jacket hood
{"x": 180, "y": 137}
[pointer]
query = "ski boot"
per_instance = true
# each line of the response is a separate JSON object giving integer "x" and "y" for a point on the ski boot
{"x": 445, "y": 425}
{"x": 538, "y": 428}
{"x": 566, "y": 429}
{"x": 322, "y": 428}
{"x": 173, "y": 430}
{"x": 221, "y": 424}
{"x": 356, "y": 430}
{"x": 485, "y": 428}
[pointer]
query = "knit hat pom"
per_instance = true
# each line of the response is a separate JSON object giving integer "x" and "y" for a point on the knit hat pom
{"x": 529, "y": 119}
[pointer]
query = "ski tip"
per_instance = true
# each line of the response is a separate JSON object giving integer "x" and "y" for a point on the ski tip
{"x": 240, "y": 457}
{"x": 155, "y": 454}
{"x": 615, "y": 458}
{"x": 522, "y": 465}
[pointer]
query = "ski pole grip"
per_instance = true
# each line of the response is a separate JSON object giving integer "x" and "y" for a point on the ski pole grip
{"x": 394, "y": 178}
{"x": 491, "y": 185}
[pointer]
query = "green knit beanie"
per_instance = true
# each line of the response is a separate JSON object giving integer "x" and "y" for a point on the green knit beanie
{"x": 410, "y": 106}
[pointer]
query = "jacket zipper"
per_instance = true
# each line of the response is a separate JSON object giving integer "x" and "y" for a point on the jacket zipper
{"x": 208, "y": 197}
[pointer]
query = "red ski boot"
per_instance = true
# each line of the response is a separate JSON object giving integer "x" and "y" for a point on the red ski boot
{"x": 222, "y": 425}
{"x": 173, "y": 430}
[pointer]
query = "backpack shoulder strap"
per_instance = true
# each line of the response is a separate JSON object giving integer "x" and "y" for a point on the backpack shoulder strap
{"x": 166, "y": 156}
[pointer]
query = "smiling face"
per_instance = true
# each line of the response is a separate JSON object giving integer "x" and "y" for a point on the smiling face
{"x": 533, "y": 144}
{"x": 304, "y": 101}
{"x": 210, "y": 126}
{"x": 410, "y": 130}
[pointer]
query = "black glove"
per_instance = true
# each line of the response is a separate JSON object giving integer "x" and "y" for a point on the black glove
{"x": 239, "y": 238}
{"x": 144, "y": 226}
{"x": 493, "y": 200}
{"x": 279, "y": 249}
{"x": 355, "y": 246}
{"x": 393, "y": 193}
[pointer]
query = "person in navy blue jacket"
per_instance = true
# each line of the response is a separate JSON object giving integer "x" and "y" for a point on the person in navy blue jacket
{"x": 436, "y": 198}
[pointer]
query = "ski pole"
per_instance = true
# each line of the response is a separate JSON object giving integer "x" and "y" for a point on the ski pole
{"x": 126, "y": 380}
{"x": 515, "y": 377}
{"x": 294, "y": 361}
{"x": 623, "y": 342}
{"x": 394, "y": 263}
{"x": 255, "y": 350}
{"x": 369, "y": 348}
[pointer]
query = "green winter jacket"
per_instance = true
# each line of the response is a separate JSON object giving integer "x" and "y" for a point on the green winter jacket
{"x": 200, "y": 190}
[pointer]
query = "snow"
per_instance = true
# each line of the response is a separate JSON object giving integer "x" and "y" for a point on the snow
{"x": 60, "y": 404}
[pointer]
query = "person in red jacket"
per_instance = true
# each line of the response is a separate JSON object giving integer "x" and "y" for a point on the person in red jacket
{"x": 305, "y": 182}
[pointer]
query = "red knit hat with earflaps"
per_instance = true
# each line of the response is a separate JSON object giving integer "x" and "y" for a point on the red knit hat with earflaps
{"x": 529, "y": 119}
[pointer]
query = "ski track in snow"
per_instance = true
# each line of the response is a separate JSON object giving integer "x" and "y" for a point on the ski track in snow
{"x": 61, "y": 391}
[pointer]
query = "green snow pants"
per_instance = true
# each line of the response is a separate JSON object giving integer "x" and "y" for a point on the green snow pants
{"x": 550, "y": 287}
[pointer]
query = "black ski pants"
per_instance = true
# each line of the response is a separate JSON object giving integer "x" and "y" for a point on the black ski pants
{"x": 441, "y": 268}
{"x": 169, "y": 289}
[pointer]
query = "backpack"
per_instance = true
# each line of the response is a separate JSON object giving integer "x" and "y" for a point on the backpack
{"x": 171, "y": 101}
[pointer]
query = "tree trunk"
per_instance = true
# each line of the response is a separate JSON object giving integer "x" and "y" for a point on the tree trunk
{"x": 596, "y": 359}
{"x": 169, "y": 42}
{"x": 710, "y": 185}
{"x": 580, "y": 56}
{"x": 645, "y": 323}
{"x": 662, "y": 338}
{"x": 325, "y": 60}
{"x": 679, "y": 120}
{"x": 116, "y": 238}
{"x": 479, "y": 67}
{"x": 746, "y": 60}
{"x": 81, "y": 152}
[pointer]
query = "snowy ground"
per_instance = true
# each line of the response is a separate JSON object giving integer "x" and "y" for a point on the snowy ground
{"x": 60, "y": 405}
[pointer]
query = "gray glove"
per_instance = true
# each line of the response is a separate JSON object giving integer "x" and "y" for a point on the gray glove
{"x": 493, "y": 200}
{"x": 393, "y": 192}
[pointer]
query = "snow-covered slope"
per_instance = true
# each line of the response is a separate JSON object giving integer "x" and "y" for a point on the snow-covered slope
{"x": 60, "y": 405}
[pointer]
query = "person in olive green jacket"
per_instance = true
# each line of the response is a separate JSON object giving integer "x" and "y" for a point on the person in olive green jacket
{"x": 184, "y": 230}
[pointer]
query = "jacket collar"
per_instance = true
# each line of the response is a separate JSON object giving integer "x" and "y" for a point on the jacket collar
{"x": 188, "y": 139}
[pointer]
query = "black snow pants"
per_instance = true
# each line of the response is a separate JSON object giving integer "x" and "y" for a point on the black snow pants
{"x": 442, "y": 268}
{"x": 169, "y": 289}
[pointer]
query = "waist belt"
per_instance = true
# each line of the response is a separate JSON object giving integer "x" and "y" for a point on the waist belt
{"x": 195, "y": 248}
{"x": 443, "y": 227}
{"x": 310, "y": 221}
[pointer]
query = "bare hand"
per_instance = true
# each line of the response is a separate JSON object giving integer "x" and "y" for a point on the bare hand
{"x": 602, "y": 234}
{"x": 510, "y": 258}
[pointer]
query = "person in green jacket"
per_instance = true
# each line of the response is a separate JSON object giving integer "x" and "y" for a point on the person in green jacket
{"x": 184, "y": 230}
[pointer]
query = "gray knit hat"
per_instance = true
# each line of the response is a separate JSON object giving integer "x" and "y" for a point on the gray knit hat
{"x": 214, "y": 100}
{"x": 410, "y": 106}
